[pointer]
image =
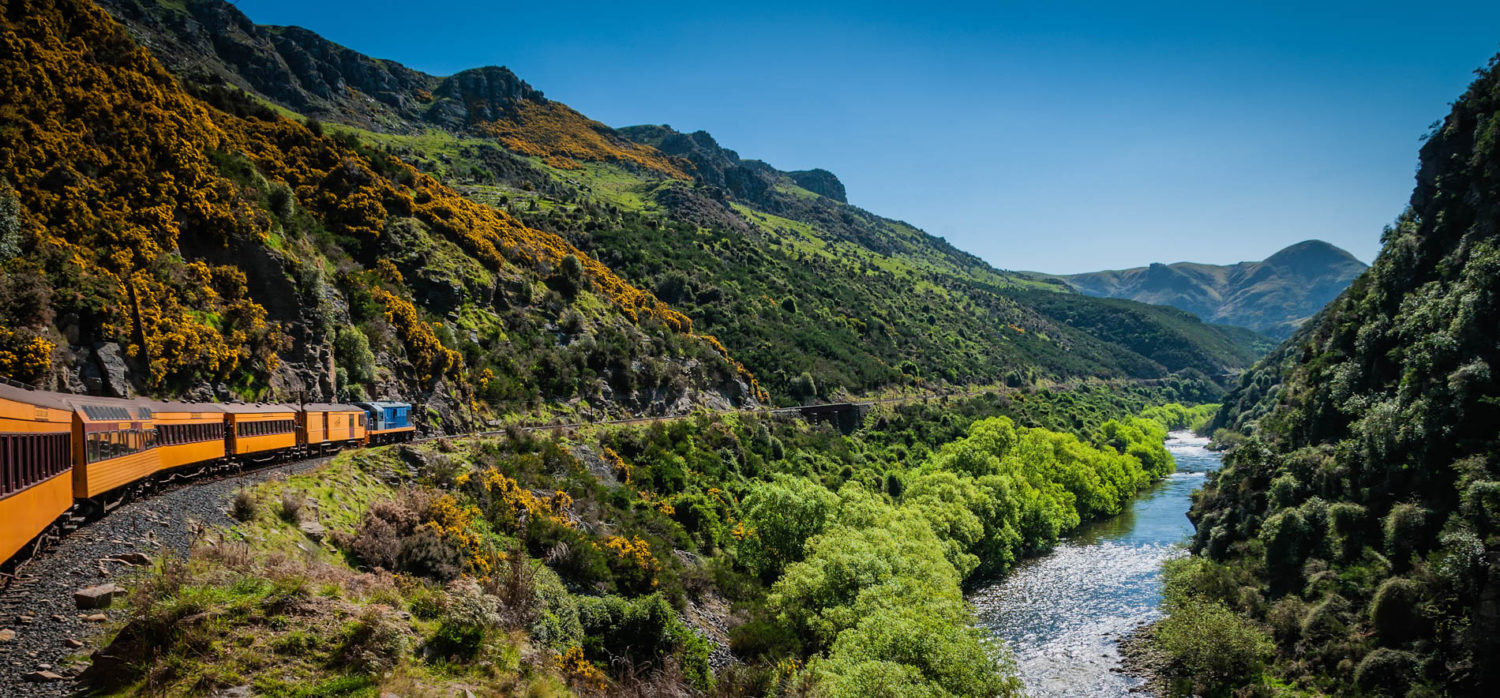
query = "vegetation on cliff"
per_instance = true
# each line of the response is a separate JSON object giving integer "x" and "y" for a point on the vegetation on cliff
{"x": 794, "y": 282}
{"x": 1356, "y": 523}
{"x": 214, "y": 239}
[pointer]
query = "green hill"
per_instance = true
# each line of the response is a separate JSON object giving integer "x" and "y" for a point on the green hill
{"x": 1358, "y": 522}
{"x": 175, "y": 238}
{"x": 1274, "y": 296}
{"x": 818, "y": 298}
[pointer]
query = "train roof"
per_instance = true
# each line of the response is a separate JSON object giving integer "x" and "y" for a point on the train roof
{"x": 382, "y": 404}
{"x": 94, "y": 408}
{"x": 40, "y": 398}
{"x": 174, "y": 406}
{"x": 330, "y": 407}
{"x": 256, "y": 408}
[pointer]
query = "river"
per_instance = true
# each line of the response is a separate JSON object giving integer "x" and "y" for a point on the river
{"x": 1062, "y": 613}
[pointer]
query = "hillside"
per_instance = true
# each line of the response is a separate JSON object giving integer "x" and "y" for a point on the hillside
{"x": 818, "y": 298}
{"x": 1358, "y": 522}
{"x": 1273, "y": 297}
{"x": 201, "y": 244}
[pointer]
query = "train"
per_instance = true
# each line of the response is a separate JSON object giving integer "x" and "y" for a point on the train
{"x": 65, "y": 459}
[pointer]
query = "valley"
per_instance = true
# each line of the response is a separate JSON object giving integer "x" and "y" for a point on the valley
{"x": 328, "y": 374}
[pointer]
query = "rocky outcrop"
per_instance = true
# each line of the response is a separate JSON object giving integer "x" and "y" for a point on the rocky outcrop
{"x": 307, "y": 73}
{"x": 820, "y": 182}
{"x": 475, "y": 96}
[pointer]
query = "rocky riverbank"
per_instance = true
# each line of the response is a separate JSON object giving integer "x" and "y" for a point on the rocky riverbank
{"x": 1141, "y": 658}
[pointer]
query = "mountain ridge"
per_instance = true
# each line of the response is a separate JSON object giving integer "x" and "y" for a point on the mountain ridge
{"x": 1272, "y": 296}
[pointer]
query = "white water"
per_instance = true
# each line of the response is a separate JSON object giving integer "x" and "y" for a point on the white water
{"x": 1063, "y": 613}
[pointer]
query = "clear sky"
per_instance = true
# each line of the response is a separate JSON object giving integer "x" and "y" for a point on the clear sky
{"x": 1049, "y": 136}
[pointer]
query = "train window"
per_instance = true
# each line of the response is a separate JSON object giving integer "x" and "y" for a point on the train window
{"x": 9, "y": 464}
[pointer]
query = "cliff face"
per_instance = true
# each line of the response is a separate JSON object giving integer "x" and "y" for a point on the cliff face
{"x": 1363, "y": 508}
{"x": 1274, "y": 296}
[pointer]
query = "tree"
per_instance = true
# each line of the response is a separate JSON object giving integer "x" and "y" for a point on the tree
{"x": 780, "y": 516}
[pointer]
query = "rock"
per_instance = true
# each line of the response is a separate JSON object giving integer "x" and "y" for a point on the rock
{"x": 96, "y": 596}
{"x": 59, "y": 618}
{"x": 112, "y": 368}
{"x": 236, "y": 692}
{"x": 96, "y": 618}
{"x": 132, "y": 559}
{"x": 7, "y": 635}
{"x": 41, "y": 677}
{"x": 70, "y": 642}
{"x": 313, "y": 530}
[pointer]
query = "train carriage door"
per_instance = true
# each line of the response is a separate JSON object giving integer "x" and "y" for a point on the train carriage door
{"x": 326, "y": 436}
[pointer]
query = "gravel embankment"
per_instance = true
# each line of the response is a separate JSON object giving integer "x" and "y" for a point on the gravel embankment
{"x": 50, "y": 633}
{"x": 1140, "y": 657}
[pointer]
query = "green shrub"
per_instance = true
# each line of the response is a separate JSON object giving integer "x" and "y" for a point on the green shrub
{"x": 1213, "y": 646}
{"x": 1193, "y": 577}
{"x": 1285, "y": 536}
{"x": 1403, "y": 530}
{"x": 1346, "y": 523}
{"x": 780, "y": 516}
{"x": 921, "y": 653}
{"x": 375, "y": 643}
{"x": 1385, "y": 672}
{"x": 1394, "y": 612}
{"x": 244, "y": 506}
{"x": 643, "y": 631}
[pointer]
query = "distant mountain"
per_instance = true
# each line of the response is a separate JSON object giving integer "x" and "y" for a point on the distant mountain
{"x": 1273, "y": 297}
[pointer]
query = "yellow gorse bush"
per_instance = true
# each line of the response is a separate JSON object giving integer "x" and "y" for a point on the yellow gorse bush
{"x": 579, "y": 672}
{"x": 517, "y": 501}
{"x": 455, "y": 523}
{"x": 561, "y": 137}
{"x": 636, "y": 551}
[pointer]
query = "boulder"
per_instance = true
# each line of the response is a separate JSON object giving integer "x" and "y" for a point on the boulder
{"x": 112, "y": 369}
{"x": 7, "y": 635}
{"x": 41, "y": 677}
{"x": 313, "y": 530}
{"x": 96, "y": 596}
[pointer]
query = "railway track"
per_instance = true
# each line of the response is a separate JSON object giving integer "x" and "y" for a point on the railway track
{"x": 147, "y": 490}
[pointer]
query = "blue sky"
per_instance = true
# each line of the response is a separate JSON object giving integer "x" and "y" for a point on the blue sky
{"x": 1050, "y": 136}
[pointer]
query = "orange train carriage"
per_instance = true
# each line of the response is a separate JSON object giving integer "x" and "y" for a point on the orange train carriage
{"x": 65, "y": 455}
{"x": 114, "y": 444}
{"x": 188, "y": 434}
{"x": 260, "y": 432}
{"x": 322, "y": 428}
{"x": 36, "y": 432}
